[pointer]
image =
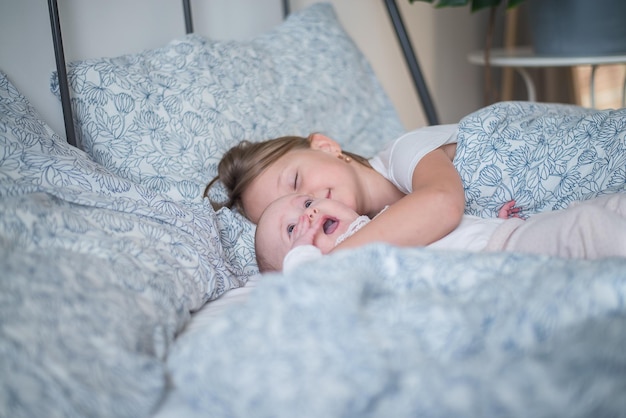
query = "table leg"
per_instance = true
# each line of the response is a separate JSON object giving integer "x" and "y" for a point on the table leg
{"x": 528, "y": 81}
{"x": 592, "y": 86}
{"x": 624, "y": 92}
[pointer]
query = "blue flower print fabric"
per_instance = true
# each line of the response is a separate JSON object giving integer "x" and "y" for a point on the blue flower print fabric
{"x": 97, "y": 276}
{"x": 384, "y": 331}
{"x": 544, "y": 156}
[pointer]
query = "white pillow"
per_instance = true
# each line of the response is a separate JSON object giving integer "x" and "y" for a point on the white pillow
{"x": 164, "y": 117}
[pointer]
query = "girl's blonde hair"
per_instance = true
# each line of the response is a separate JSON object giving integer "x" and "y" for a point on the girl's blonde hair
{"x": 247, "y": 160}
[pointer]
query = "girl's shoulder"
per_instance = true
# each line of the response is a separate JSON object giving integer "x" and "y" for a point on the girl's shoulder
{"x": 398, "y": 159}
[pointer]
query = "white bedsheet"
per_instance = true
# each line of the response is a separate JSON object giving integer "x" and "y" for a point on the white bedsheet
{"x": 204, "y": 317}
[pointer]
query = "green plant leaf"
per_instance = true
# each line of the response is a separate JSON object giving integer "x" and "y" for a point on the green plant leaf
{"x": 513, "y": 3}
{"x": 452, "y": 3}
{"x": 484, "y": 4}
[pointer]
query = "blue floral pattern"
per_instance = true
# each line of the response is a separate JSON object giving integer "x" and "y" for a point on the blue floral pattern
{"x": 542, "y": 155}
{"x": 164, "y": 117}
{"x": 98, "y": 275}
{"x": 382, "y": 331}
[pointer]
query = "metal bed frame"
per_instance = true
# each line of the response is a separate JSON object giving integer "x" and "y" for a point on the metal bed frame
{"x": 392, "y": 9}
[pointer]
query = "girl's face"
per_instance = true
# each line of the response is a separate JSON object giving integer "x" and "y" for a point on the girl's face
{"x": 316, "y": 172}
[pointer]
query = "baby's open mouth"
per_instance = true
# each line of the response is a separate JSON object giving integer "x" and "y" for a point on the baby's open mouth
{"x": 330, "y": 225}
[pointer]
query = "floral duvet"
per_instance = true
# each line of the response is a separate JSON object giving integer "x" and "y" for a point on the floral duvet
{"x": 389, "y": 332}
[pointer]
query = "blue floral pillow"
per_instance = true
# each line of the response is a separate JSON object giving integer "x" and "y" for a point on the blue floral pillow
{"x": 35, "y": 160}
{"x": 164, "y": 117}
{"x": 543, "y": 155}
{"x": 99, "y": 274}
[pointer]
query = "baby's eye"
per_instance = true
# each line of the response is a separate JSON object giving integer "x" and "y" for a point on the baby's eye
{"x": 295, "y": 182}
{"x": 290, "y": 229}
{"x": 307, "y": 203}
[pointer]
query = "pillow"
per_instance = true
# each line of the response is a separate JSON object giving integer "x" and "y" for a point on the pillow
{"x": 98, "y": 276}
{"x": 543, "y": 155}
{"x": 164, "y": 117}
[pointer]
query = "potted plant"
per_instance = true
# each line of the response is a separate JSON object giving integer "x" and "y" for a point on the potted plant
{"x": 578, "y": 27}
{"x": 475, "y": 6}
{"x": 558, "y": 27}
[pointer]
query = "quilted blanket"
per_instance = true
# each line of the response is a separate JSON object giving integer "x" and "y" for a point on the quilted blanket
{"x": 389, "y": 332}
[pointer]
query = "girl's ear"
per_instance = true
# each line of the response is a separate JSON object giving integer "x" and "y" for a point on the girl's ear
{"x": 323, "y": 143}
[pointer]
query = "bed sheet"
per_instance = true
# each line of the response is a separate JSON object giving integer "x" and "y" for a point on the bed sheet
{"x": 204, "y": 317}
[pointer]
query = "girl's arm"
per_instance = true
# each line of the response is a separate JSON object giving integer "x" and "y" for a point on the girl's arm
{"x": 429, "y": 213}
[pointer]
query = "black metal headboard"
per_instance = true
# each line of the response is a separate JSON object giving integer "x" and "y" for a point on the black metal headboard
{"x": 59, "y": 56}
{"x": 392, "y": 9}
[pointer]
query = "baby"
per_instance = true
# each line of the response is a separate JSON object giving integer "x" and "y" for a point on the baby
{"x": 295, "y": 221}
{"x": 298, "y": 228}
{"x": 312, "y": 227}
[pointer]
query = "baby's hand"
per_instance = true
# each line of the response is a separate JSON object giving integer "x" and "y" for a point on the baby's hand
{"x": 304, "y": 231}
{"x": 509, "y": 210}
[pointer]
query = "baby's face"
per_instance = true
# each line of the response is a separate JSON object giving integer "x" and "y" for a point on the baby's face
{"x": 275, "y": 230}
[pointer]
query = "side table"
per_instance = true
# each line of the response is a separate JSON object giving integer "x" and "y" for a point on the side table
{"x": 522, "y": 58}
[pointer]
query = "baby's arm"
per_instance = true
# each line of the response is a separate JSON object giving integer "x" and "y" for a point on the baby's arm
{"x": 430, "y": 212}
{"x": 299, "y": 255}
{"x": 302, "y": 245}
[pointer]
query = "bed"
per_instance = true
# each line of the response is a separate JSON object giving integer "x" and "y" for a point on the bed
{"x": 124, "y": 294}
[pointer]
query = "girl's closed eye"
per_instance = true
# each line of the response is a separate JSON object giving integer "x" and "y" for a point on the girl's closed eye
{"x": 295, "y": 182}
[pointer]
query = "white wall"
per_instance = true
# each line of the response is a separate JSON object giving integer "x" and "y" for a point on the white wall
{"x": 93, "y": 28}
{"x": 441, "y": 38}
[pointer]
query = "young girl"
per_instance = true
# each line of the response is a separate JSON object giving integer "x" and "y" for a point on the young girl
{"x": 414, "y": 176}
{"x": 298, "y": 228}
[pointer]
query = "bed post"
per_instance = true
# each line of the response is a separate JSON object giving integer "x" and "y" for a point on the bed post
{"x": 285, "y": 8}
{"x": 59, "y": 56}
{"x": 188, "y": 20}
{"x": 411, "y": 61}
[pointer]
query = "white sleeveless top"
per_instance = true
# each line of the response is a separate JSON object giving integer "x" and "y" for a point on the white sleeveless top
{"x": 398, "y": 161}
